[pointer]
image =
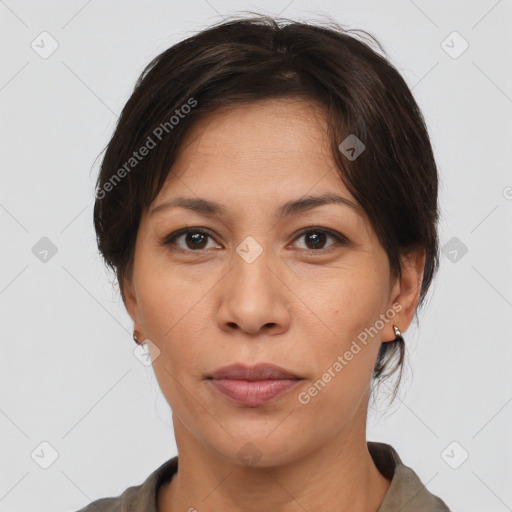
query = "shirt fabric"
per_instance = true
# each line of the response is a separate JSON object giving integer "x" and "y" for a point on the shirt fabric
{"x": 406, "y": 493}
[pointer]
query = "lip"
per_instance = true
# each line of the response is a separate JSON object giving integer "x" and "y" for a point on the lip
{"x": 261, "y": 371}
{"x": 253, "y": 386}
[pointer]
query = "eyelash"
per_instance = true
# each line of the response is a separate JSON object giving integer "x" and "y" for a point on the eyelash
{"x": 334, "y": 234}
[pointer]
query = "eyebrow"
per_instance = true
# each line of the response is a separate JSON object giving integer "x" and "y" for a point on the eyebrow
{"x": 294, "y": 207}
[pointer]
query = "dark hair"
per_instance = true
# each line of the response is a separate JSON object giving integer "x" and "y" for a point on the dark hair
{"x": 241, "y": 60}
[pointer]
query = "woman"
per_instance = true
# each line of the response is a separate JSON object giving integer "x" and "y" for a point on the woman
{"x": 268, "y": 203}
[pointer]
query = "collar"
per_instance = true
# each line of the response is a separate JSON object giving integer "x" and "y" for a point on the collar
{"x": 406, "y": 493}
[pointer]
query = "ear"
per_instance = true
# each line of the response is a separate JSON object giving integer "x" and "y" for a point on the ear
{"x": 406, "y": 291}
{"x": 131, "y": 304}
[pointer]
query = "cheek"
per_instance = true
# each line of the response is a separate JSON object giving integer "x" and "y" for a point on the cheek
{"x": 177, "y": 316}
{"x": 349, "y": 306}
{"x": 348, "y": 300}
{"x": 167, "y": 300}
{"x": 179, "y": 336}
{"x": 344, "y": 365}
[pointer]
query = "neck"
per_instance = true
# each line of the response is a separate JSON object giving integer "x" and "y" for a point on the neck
{"x": 338, "y": 475}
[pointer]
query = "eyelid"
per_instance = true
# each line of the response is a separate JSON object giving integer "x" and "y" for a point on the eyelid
{"x": 320, "y": 229}
{"x": 183, "y": 231}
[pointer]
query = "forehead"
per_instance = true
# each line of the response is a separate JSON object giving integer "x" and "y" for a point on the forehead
{"x": 262, "y": 146}
{"x": 257, "y": 123}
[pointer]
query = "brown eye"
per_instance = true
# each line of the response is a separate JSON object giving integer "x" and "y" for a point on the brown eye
{"x": 193, "y": 239}
{"x": 316, "y": 238}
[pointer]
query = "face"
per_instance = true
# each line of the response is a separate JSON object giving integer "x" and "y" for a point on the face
{"x": 259, "y": 283}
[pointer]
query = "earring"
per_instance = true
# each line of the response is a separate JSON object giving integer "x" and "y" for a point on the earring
{"x": 398, "y": 335}
{"x": 135, "y": 338}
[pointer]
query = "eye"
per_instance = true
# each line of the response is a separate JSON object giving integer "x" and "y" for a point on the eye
{"x": 195, "y": 239}
{"x": 315, "y": 238}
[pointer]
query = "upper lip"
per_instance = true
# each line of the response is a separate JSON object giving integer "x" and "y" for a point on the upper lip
{"x": 261, "y": 371}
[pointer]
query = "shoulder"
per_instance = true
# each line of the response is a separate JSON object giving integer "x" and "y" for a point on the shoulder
{"x": 407, "y": 492}
{"x": 128, "y": 500}
{"x": 137, "y": 498}
{"x": 411, "y": 494}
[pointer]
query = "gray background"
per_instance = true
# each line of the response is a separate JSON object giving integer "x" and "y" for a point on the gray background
{"x": 69, "y": 377}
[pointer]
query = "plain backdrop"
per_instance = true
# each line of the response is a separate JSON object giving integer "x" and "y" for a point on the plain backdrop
{"x": 74, "y": 396}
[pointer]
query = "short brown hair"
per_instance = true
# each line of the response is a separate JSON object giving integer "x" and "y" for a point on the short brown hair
{"x": 241, "y": 60}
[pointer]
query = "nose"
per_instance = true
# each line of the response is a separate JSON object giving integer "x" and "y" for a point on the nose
{"x": 254, "y": 298}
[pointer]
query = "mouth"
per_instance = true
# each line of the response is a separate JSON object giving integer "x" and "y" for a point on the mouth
{"x": 253, "y": 386}
{"x": 261, "y": 371}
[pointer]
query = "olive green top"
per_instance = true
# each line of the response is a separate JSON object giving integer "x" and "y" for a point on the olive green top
{"x": 406, "y": 493}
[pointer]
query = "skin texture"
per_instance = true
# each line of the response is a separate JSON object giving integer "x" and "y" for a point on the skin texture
{"x": 299, "y": 309}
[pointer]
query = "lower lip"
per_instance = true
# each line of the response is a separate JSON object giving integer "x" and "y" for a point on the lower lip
{"x": 253, "y": 393}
